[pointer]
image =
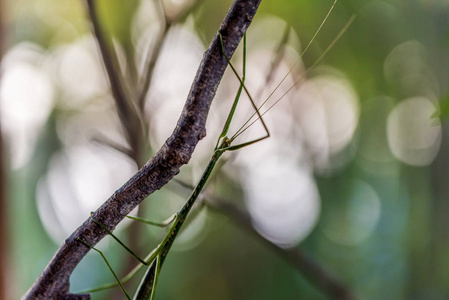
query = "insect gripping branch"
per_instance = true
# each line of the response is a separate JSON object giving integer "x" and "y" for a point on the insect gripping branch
{"x": 53, "y": 283}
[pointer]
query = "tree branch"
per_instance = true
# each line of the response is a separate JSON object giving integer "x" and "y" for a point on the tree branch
{"x": 314, "y": 272}
{"x": 150, "y": 64}
{"x": 53, "y": 283}
{"x": 129, "y": 116}
{"x": 304, "y": 263}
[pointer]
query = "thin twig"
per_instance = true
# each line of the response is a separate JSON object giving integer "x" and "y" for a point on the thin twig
{"x": 308, "y": 266}
{"x": 53, "y": 283}
{"x": 278, "y": 54}
{"x": 105, "y": 141}
{"x": 303, "y": 262}
{"x": 167, "y": 23}
{"x": 128, "y": 114}
{"x": 151, "y": 63}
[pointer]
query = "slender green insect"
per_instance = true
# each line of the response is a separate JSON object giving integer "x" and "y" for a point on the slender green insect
{"x": 156, "y": 258}
{"x": 147, "y": 287}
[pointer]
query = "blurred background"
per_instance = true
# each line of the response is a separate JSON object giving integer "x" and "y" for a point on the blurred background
{"x": 355, "y": 173}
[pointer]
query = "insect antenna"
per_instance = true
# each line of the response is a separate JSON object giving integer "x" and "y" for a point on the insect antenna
{"x": 243, "y": 127}
{"x": 301, "y": 78}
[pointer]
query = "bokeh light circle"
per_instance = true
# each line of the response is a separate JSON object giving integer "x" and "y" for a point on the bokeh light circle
{"x": 413, "y": 135}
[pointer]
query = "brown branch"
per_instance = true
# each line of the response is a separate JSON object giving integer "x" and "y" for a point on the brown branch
{"x": 150, "y": 63}
{"x": 304, "y": 263}
{"x": 53, "y": 283}
{"x": 317, "y": 275}
{"x": 128, "y": 114}
{"x": 105, "y": 141}
{"x": 278, "y": 55}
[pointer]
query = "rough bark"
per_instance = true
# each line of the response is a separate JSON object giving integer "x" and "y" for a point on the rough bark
{"x": 53, "y": 283}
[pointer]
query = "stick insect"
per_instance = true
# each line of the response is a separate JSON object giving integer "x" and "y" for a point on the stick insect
{"x": 156, "y": 258}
